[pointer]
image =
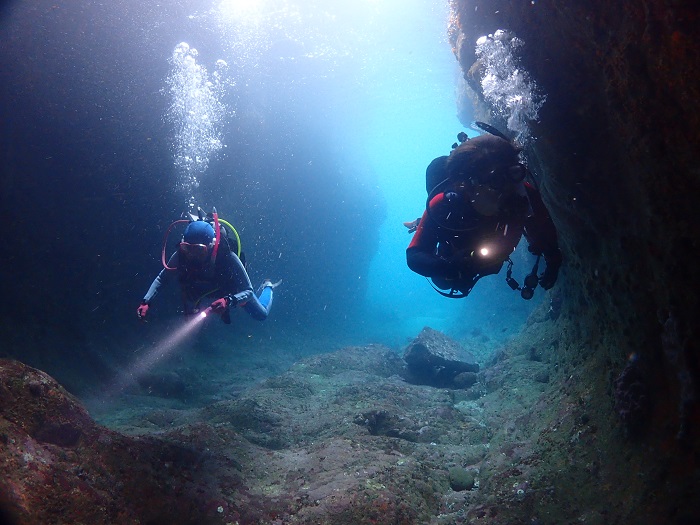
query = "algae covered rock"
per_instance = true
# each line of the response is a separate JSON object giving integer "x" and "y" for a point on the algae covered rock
{"x": 434, "y": 359}
{"x": 461, "y": 479}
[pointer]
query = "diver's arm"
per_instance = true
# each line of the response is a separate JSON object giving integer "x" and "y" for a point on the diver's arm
{"x": 161, "y": 279}
{"x": 430, "y": 265}
{"x": 540, "y": 231}
{"x": 541, "y": 235}
{"x": 421, "y": 257}
{"x": 233, "y": 277}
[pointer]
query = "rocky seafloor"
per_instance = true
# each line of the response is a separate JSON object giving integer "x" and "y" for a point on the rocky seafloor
{"x": 338, "y": 438}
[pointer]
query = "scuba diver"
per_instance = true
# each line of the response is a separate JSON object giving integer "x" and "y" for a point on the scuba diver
{"x": 479, "y": 206}
{"x": 208, "y": 264}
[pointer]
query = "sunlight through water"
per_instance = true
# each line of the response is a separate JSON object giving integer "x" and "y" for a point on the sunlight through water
{"x": 379, "y": 75}
{"x": 197, "y": 113}
{"x": 242, "y": 9}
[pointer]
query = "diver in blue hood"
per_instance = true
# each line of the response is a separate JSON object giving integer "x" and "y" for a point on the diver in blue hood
{"x": 208, "y": 266}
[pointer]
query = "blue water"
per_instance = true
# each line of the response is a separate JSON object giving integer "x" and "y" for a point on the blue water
{"x": 389, "y": 89}
{"x": 308, "y": 124}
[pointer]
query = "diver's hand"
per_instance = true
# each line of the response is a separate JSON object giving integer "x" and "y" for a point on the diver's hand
{"x": 549, "y": 277}
{"x": 220, "y": 305}
{"x": 412, "y": 225}
{"x": 141, "y": 311}
{"x": 551, "y": 272}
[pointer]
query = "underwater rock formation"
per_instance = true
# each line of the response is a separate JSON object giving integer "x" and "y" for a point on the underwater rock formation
{"x": 675, "y": 350}
{"x": 338, "y": 439}
{"x": 615, "y": 154}
{"x": 58, "y": 466}
{"x": 632, "y": 398}
{"x": 434, "y": 359}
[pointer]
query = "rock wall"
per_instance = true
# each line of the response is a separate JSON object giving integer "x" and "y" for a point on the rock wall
{"x": 616, "y": 150}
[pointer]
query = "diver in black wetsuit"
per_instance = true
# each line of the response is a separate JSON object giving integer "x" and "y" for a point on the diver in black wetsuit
{"x": 478, "y": 208}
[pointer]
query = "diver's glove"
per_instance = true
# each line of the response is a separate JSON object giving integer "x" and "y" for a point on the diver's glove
{"x": 142, "y": 310}
{"x": 412, "y": 225}
{"x": 551, "y": 272}
{"x": 221, "y": 305}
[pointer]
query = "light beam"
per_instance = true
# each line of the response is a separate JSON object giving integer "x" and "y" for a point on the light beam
{"x": 161, "y": 351}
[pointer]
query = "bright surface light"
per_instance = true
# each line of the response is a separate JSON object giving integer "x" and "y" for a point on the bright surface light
{"x": 484, "y": 251}
{"x": 241, "y": 8}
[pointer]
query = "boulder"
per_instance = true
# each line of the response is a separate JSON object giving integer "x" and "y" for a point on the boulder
{"x": 434, "y": 359}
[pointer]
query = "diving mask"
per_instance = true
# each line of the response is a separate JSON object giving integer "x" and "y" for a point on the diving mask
{"x": 194, "y": 252}
{"x": 488, "y": 191}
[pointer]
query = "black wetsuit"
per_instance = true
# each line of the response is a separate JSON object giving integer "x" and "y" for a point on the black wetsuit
{"x": 446, "y": 244}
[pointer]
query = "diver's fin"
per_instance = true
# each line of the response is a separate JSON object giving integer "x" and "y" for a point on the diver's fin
{"x": 269, "y": 283}
{"x": 412, "y": 226}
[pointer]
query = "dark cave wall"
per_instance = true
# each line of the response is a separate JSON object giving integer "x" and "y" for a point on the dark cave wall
{"x": 616, "y": 150}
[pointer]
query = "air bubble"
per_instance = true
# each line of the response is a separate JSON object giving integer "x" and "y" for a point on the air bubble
{"x": 505, "y": 86}
{"x": 197, "y": 113}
